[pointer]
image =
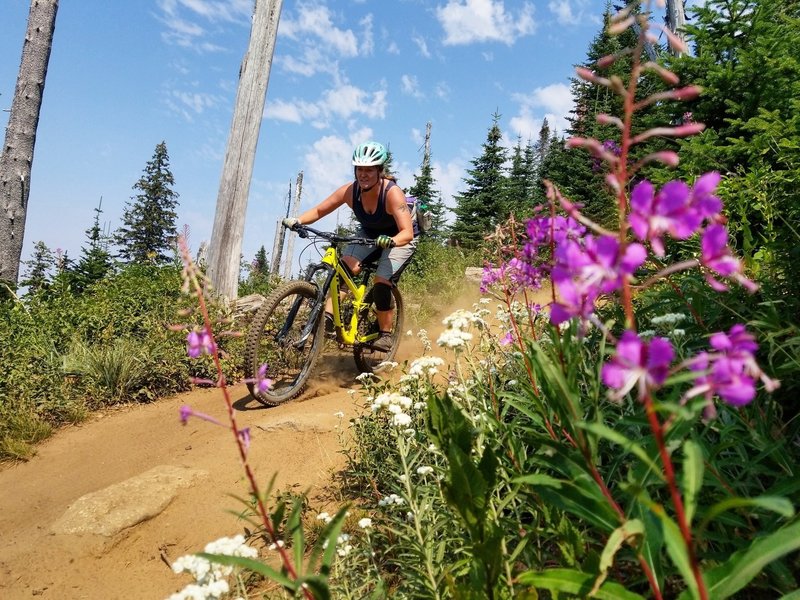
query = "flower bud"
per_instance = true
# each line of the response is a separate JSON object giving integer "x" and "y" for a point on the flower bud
{"x": 620, "y": 26}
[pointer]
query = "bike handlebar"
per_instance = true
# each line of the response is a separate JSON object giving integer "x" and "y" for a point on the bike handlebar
{"x": 304, "y": 230}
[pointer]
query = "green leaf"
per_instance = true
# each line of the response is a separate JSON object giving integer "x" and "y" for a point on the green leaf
{"x": 581, "y": 500}
{"x": 627, "y": 444}
{"x": 563, "y": 395}
{"x": 466, "y": 489}
{"x": 618, "y": 537}
{"x": 775, "y": 504}
{"x": 692, "y": 476}
{"x": 576, "y": 583}
{"x": 251, "y": 565}
{"x": 795, "y": 595}
{"x": 676, "y": 547}
{"x": 446, "y": 423}
{"x": 730, "y": 577}
{"x": 331, "y": 534}
{"x": 653, "y": 540}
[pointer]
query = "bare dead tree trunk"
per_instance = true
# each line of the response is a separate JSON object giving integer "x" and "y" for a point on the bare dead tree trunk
{"x": 16, "y": 159}
{"x": 676, "y": 21}
{"x": 298, "y": 192}
{"x": 426, "y": 157}
{"x": 225, "y": 248}
{"x": 280, "y": 236}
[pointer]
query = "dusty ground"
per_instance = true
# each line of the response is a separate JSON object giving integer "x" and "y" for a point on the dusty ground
{"x": 169, "y": 485}
{"x": 45, "y": 555}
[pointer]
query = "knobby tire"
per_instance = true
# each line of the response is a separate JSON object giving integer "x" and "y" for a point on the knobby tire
{"x": 270, "y": 342}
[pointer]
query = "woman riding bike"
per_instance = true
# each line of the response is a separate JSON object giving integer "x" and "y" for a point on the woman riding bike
{"x": 381, "y": 210}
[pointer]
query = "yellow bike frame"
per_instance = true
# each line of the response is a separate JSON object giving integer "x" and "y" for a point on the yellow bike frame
{"x": 347, "y": 333}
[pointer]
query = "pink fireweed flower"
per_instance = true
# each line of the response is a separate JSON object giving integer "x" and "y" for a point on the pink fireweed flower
{"x": 544, "y": 230}
{"x": 199, "y": 343}
{"x": 717, "y": 256}
{"x": 263, "y": 384}
{"x": 514, "y": 275}
{"x": 187, "y": 411}
{"x": 244, "y": 436}
{"x": 676, "y": 209}
{"x": 729, "y": 371}
{"x": 584, "y": 271}
{"x": 507, "y": 339}
{"x": 637, "y": 363}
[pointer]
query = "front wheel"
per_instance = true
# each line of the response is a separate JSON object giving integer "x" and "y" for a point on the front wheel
{"x": 368, "y": 359}
{"x": 283, "y": 338}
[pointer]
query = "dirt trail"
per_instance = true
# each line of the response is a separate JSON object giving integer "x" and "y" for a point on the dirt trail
{"x": 45, "y": 555}
{"x": 298, "y": 440}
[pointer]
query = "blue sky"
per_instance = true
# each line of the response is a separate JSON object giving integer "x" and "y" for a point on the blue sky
{"x": 125, "y": 75}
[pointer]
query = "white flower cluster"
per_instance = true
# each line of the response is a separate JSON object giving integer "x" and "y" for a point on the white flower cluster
{"x": 462, "y": 319}
{"x": 365, "y": 523}
{"x": 323, "y": 516}
{"x": 343, "y": 546}
{"x": 422, "y": 334}
{"x": 424, "y": 470}
{"x": 396, "y": 404}
{"x": 454, "y": 338}
{"x": 210, "y": 578}
{"x": 456, "y": 335}
{"x": 390, "y": 499}
{"x": 668, "y": 319}
{"x": 425, "y": 366}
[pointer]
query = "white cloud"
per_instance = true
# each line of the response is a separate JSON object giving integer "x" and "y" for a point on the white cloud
{"x": 316, "y": 22}
{"x": 193, "y": 102}
{"x": 469, "y": 21}
{"x": 562, "y": 9}
{"x": 347, "y": 100}
{"x": 422, "y": 45}
{"x": 442, "y": 91}
{"x": 180, "y": 18}
{"x": 311, "y": 61}
{"x": 410, "y": 86}
{"x": 553, "y": 102}
{"x": 341, "y": 102}
{"x": 449, "y": 178}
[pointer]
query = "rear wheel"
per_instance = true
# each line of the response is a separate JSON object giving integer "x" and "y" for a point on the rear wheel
{"x": 276, "y": 339}
{"x": 368, "y": 358}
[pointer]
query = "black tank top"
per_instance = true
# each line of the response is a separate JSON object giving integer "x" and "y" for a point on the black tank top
{"x": 380, "y": 222}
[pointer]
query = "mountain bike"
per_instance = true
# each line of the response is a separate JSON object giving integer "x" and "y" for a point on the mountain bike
{"x": 287, "y": 333}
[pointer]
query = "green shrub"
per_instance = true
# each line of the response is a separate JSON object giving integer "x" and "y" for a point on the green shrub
{"x": 434, "y": 278}
{"x": 65, "y": 354}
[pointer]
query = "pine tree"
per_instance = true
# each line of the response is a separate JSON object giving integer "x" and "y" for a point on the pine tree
{"x": 148, "y": 233}
{"x": 424, "y": 189}
{"x": 95, "y": 262}
{"x": 521, "y": 182}
{"x": 37, "y": 276}
{"x": 748, "y": 64}
{"x": 480, "y": 208}
{"x": 261, "y": 261}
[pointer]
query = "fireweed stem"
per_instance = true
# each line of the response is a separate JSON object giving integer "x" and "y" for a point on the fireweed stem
{"x": 680, "y": 513}
{"x": 262, "y": 511}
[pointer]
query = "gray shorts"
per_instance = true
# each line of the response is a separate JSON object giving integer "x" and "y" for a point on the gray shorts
{"x": 391, "y": 261}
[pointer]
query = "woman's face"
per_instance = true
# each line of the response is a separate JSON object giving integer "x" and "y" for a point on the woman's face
{"x": 367, "y": 176}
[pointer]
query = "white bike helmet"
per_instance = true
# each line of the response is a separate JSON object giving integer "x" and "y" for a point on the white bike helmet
{"x": 369, "y": 154}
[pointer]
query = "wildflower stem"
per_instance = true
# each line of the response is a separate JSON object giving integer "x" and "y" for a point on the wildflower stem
{"x": 680, "y": 513}
{"x": 262, "y": 511}
{"x": 415, "y": 509}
